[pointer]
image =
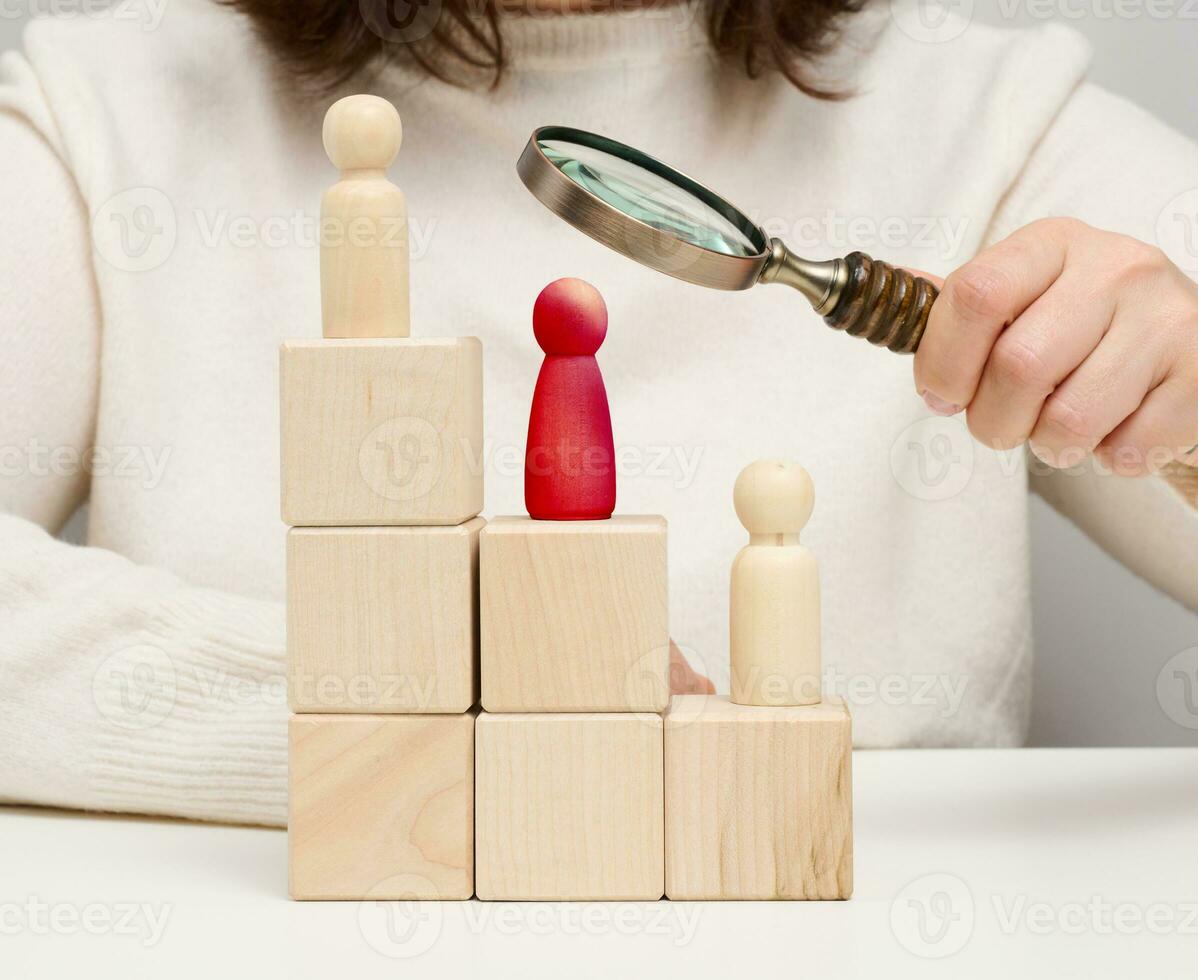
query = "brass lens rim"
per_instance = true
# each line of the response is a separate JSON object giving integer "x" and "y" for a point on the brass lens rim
{"x": 629, "y": 236}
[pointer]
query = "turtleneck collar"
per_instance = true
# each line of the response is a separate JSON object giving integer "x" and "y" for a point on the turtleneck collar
{"x": 653, "y": 33}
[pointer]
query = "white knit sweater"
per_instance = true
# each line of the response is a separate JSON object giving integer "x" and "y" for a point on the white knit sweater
{"x": 158, "y": 196}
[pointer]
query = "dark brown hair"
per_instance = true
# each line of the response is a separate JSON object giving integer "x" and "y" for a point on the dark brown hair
{"x": 326, "y": 42}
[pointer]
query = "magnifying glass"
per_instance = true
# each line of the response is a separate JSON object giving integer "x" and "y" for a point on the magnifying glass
{"x": 663, "y": 219}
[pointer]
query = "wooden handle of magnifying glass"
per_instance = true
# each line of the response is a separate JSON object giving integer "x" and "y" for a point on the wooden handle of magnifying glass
{"x": 887, "y": 306}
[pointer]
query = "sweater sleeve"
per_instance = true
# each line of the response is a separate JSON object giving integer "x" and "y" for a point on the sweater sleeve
{"x": 121, "y": 687}
{"x": 1116, "y": 167}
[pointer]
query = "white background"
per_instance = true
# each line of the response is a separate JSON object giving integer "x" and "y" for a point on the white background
{"x": 1102, "y": 635}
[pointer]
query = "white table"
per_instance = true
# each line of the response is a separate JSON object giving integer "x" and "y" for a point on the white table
{"x": 1032, "y": 863}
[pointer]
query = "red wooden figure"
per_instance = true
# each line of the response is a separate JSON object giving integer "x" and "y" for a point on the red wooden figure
{"x": 569, "y": 463}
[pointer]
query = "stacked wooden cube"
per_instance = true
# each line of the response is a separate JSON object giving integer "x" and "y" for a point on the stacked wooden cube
{"x": 382, "y": 613}
{"x": 483, "y": 708}
{"x": 570, "y": 791}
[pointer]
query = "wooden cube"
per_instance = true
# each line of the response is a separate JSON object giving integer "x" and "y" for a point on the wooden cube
{"x": 569, "y": 807}
{"x": 383, "y": 431}
{"x": 574, "y": 615}
{"x": 381, "y": 806}
{"x": 383, "y": 619}
{"x": 759, "y": 801}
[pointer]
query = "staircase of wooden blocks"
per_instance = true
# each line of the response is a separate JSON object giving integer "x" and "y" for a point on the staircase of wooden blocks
{"x": 580, "y": 778}
{"x": 483, "y": 708}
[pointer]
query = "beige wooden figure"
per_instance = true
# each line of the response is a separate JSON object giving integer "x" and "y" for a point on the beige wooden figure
{"x": 775, "y": 606}
{"x": 363, "y": 224}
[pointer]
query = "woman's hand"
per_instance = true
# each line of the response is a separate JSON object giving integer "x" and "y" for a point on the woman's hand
{"x": 683, "y": 678}
{"x": 1072, "y": 339}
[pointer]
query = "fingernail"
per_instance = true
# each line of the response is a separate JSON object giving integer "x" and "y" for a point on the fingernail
{"x": 939, "y": 405}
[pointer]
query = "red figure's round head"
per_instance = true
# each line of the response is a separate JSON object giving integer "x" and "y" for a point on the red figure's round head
{"x": 569, "y": 317}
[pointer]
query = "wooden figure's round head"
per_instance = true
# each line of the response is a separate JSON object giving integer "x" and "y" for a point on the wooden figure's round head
{"x": 773, "y": 496}
{"x": 569, "y": 317}
{"x": 362, "y": 132}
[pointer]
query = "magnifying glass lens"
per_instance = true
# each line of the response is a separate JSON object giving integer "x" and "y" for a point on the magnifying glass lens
{"x": 665, "y": 220}
{"x": 648, "y": 197}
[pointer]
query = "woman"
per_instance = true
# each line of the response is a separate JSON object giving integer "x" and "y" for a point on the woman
{"x": 161, "y": 181}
